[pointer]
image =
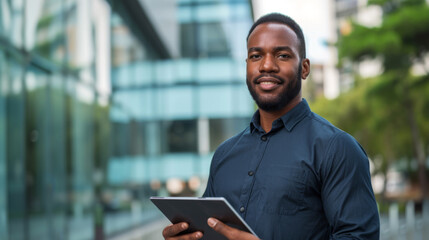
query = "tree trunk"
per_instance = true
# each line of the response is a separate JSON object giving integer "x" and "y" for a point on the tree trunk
{"x": 418, "y": 148}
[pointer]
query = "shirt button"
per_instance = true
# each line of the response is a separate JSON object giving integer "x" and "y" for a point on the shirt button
{"x": 250, "y": 173}
{"x": 242, "y": 209}
{"x": 264, "y": 138}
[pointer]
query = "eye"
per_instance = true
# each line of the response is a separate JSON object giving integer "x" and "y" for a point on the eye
{"x": 284, "y": 56}
{"x": 254, "y": 56}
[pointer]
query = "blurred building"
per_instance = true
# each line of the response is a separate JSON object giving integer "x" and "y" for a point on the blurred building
{"x": 105, "y": 103}
{"x": 370, "y": 16}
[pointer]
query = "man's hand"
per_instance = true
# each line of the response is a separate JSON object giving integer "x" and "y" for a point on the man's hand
{"x": 229, "y": 232}
{"x": 172, "y": 230}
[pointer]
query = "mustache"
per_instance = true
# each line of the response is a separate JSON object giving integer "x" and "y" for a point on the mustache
{"x": 255, "y": 80}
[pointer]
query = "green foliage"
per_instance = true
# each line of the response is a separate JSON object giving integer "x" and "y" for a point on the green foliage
{"x": 388, "y": 114}
{"x": 411, "y": 25}
{"x": 390, "y": 6}
{"x": 378, "y": 2}
{"x": 45, "y": 21}
{"x": 367, "y": 42}
{"x": 402, "y": 38}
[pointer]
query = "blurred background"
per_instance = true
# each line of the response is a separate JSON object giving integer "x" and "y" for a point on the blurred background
{"x": 104, "y": 103}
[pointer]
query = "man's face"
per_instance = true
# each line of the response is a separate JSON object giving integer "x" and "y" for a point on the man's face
{"x": 273, "y": 66}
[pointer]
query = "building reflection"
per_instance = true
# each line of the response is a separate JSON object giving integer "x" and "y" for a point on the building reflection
{"x": 105, "y": 103}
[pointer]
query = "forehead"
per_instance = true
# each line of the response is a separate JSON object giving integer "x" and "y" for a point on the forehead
{"x": 273, "y": 33}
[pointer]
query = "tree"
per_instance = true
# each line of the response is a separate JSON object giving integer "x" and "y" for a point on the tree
{"x": 392, "y": 108}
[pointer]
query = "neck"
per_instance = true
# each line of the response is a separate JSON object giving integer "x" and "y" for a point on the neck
{"x": 267, "y": 118}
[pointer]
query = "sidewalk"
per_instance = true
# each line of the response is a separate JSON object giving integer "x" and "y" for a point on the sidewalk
{"x": 151, "y": 231}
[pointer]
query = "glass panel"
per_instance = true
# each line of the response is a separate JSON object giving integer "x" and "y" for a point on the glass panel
{"x": 184, "y": 14}
{"x": 188, "y": 40}
{"x": 3, "y": 148}
{"x": 156, "y": 105}
{"x": 144, "y": 72}
{"x": 38, "y": 157}
{"x": 243, "y": 103}
{"x": 204, "y": 40}
{"x": 179, "y": 136}
{"x": 239, "y": 29}
{"x": 45, "y": 163}
{"x": 212, "y": 40}
{"x": 176, "y": 102}
{"x": 45, "y": 33}
{"x": 120, "y": 139}
{"x": 81, "y": 165}
{"x": 11, "y": 21}
{"x": 214, "y": 70}
{"x": 58, "y": 140}
{"x": 15, "y": 135}
{"x": 82, "y": 111}
{"x": 128, "y": 138}
{"x": 80, "y": 39}
{"x": 240, "y": 11}
{"x": 216, "y": 101}
{"x": 212, "y": 12}
{"x": 184, "y": 70}
{"x": 222, "y": 129}
{"x": 164, "y": 72}
{"x": 125, "y": 47}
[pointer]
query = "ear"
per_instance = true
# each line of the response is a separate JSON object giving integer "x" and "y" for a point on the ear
{"x": 305, "y": 68}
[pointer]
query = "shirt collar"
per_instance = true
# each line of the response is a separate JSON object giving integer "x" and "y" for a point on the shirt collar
{"x": 289, "y": 120}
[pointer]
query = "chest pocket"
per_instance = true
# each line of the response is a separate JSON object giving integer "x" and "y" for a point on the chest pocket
{"x": 283, "y": 190}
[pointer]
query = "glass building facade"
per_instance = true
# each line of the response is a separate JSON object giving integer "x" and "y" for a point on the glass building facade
{"x": 104, "y": 103}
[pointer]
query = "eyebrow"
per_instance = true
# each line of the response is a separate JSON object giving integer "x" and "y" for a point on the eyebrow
{"x": 276, "y": 49}
{"x": 254, "y": 49}
{"x": 283, "y": 48}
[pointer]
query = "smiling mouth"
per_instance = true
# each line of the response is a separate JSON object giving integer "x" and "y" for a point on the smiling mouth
{"x": 267, "y": 83}
{"x": 268, "y": 79}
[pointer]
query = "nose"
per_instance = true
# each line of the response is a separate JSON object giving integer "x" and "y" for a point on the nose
{"x": 268, "y": 64}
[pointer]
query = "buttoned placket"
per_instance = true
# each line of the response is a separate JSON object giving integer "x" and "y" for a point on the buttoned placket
{"x": 246, "y": 191}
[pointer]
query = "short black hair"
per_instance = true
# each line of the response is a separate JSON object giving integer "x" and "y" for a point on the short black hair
{"x": 280, "y": 18}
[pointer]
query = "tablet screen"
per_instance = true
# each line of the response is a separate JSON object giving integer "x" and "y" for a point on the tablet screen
{"x": 195, "y": 211}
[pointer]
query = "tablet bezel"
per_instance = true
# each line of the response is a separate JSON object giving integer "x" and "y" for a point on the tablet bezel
{"x": 196, "y": 211}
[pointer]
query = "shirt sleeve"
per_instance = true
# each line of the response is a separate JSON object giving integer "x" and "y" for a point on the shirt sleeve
{"x": 209, "y": 192}
{"x": 210, "y": 189}
{"x": 347, "y": 195}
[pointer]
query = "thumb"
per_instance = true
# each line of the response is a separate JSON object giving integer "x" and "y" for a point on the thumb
{"x": 222, "y": 228}
{"x": 229, "y": 232}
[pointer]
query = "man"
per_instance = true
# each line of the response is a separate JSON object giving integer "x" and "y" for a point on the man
{"x": 290, "y": 174}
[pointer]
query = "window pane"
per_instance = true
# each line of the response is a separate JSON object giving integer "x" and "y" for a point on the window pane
{"x": 3, "y": 147}
{"x": 212, "y": 40}
{"x": 15, "y": 135}
{"x": 45, "y": 30}
{"x": 222, "y": 129}
{"x": 38, "y": 157}
{"x": 179, "y": 136}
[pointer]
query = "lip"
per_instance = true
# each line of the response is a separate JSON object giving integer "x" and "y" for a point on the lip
{"x": 267, "y": 83}
{"x": 266, "y": 79}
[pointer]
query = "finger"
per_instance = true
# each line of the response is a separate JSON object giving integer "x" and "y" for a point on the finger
{"x": 229, "y": 232}
{"x": 189, "y": 236}
{"x": 174, "y": 229}
{"x": 222, "y": 228}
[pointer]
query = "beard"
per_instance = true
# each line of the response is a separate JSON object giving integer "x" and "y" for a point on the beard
{"x": 282, "y": 99}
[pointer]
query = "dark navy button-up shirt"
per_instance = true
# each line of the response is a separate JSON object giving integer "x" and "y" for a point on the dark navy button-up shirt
{"x": 305, "y": 179}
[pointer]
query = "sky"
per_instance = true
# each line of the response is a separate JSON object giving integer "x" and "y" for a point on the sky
{"x": 314, "y": 17}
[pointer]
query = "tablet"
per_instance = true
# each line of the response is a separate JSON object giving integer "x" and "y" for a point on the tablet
{"x": 195, "y": 211}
